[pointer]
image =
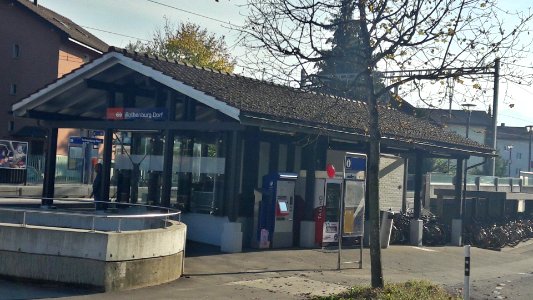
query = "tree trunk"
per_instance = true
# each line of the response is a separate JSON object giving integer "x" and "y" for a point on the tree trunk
{"x": 373, "y": 154}
{"x": 373, "y": 194}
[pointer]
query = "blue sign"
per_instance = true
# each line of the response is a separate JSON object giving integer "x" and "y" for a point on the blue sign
{"x": 81, "y": 140}
{"x": 98, "y": 133}
{"x": 355, "y": 164}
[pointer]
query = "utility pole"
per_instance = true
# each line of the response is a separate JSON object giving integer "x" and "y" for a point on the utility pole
{"x": 530, "y": 131}
{"x": 492, "y": 166}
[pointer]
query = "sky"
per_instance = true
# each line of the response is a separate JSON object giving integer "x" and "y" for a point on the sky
{"x": 130, "y": 20}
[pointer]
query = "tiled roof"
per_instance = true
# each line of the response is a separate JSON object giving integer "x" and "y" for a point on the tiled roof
{"x": 513, "y": 133}
{"x": 254, "y": 97}
{"x": 65, "y": 25}
{"x": 458, "y": 117}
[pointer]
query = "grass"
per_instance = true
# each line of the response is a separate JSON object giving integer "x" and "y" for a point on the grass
{"x": 410, "y": 290}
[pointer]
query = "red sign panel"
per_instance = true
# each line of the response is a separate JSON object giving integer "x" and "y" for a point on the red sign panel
{"x": 115, "y": 113}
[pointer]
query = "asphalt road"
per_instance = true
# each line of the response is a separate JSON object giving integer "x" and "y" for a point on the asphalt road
{"x": 296, "y": 273}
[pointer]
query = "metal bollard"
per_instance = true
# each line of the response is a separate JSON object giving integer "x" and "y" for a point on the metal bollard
{"x": 466, "y": 292}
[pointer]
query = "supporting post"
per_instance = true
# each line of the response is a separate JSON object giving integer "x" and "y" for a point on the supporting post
{"x": 308, "y": 153}
{"x": 106, "y": 165}
{"x": 290, "y": 158}
{"x": 250, "y": 171}
{"x": 50, "y": 169}
{"x": 232, "y": 174}
{"x": 495, "y": 112}
{"x": 168, "y": 160}
{"x": 135, "y": 173}
{"x": 273, "y": 163}
{"x": 405, "y": 180}
{"x": 418, "y": 185}
{"x": 530, "y": 130}
{"x": 463, "y": 202}
{"x": 457, "y": 224}
{"x": 108, "y": 152}
{"x": 168, "y": 154}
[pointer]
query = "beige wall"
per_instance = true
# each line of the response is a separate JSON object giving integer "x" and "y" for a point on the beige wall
{"x": 70, "y": 58}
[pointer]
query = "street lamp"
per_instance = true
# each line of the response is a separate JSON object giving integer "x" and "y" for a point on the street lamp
{"x": 510, "y": 149}
{"x": 468, "y": 107}
{"x": 530, "y": 130}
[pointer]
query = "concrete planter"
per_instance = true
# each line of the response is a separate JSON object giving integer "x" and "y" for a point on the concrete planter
{"x": 102, "y": 260}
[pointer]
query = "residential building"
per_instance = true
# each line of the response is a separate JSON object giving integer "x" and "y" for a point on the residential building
{"x": 512, "y": 142}
{"x": 456, "y": 121}
{"x": 37, "y": 46}
{"x": 513, "y": 146}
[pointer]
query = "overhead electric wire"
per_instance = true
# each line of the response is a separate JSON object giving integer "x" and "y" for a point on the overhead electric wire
{"x": 193, "y": 13}
{"x": 115, "y": 33}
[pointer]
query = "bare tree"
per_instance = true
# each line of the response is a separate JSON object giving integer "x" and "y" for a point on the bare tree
{"x": 448, "y": 38}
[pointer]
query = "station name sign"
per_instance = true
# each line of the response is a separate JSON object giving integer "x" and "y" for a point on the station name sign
{"x": 82, "y": 139}
{"x": 130, "y": 113}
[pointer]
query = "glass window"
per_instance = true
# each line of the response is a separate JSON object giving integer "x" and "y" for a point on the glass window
{"x": 16, "y": 51}
{"x": 13, "y": 89}
{"x": 75, "y": 157}
{"x": 199, "y": 166}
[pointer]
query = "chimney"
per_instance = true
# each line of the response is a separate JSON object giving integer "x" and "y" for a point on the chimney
{"x": 34, "y": 2}
{"x": 502, "y": 125}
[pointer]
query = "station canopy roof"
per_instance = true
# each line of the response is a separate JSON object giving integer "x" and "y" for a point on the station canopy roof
{"x": 82, "y": 95}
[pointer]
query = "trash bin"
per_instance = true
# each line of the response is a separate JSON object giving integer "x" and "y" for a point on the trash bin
{"x": 385, "y": 228}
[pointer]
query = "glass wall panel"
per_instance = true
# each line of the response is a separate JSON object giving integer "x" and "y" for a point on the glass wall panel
{"x": 138, "y": 164}
{"x": 199, "y": 167}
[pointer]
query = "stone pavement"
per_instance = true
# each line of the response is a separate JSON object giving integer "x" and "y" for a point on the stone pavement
{"x": 297, "y": 273}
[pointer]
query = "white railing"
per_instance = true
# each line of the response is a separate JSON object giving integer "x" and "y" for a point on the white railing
{"x": 119, "y": 212}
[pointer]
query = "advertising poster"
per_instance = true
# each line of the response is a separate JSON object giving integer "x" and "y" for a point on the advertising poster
{"x": 354, "y": 208}
{"x": 354, "y": 194}
{"x": 13, "y": 154}
{"x": 331, "y": 230}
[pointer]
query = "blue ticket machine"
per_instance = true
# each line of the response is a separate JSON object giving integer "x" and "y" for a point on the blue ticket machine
{"x": 276, "y": 211}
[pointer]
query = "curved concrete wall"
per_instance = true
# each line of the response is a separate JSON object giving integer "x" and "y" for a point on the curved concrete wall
{"x": 103, "y": 260}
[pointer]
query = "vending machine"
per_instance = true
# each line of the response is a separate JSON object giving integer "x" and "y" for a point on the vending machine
{"x": 326, "y": 200}
{"x": 326, "y": 215}
{"x": 276, "y": 211}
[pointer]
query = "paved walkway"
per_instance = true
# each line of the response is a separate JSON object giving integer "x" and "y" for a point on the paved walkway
{"x": 295, "y": 274}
